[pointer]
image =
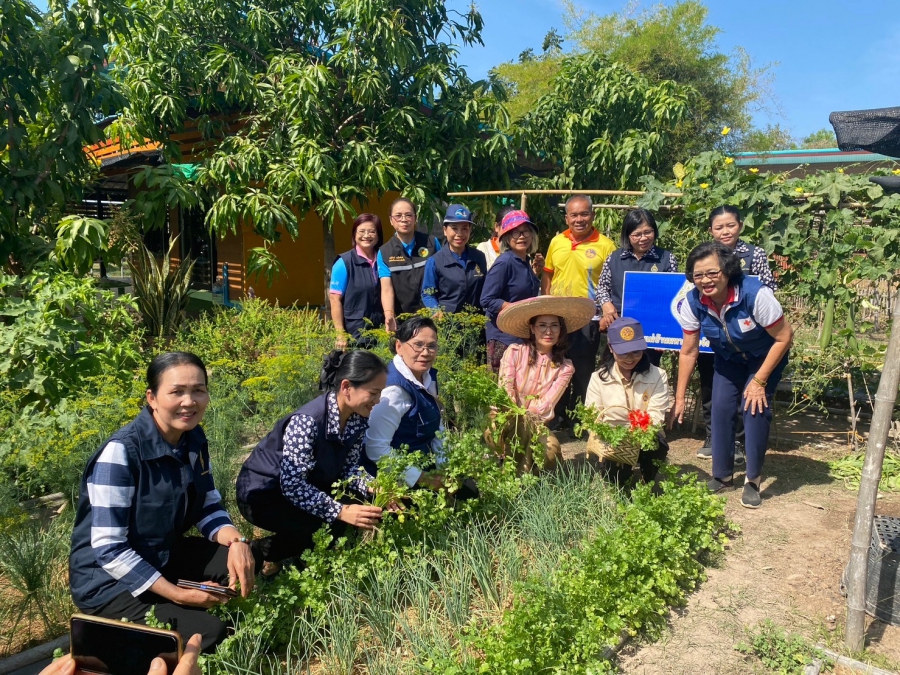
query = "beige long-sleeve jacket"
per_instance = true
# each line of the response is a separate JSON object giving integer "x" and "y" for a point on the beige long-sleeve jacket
{"x": 615, "y": 397}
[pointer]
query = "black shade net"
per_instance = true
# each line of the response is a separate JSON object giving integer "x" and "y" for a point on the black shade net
{"x": 873, "y": 130}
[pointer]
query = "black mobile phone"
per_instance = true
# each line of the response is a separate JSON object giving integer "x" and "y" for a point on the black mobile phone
{"x": 209, "y": 588}
{"x": 112, "y": 647}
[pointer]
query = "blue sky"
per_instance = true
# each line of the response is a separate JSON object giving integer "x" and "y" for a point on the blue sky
{"x": 830, "y": 54}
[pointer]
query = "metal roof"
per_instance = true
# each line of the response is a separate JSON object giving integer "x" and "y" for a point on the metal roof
{"x": 795, "y": 157}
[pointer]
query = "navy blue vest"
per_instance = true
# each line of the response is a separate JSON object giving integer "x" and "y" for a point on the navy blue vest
{"x": 407, "y": 271}
{"x": 168, "y": 501}
{"x": 746, "y": 258}
{"x": 458, "y": 288}
{"x": 740, "y": 338}
{"x": 420, "y": 424}
{"x": 362, "y": 299}
{"x": 619, "y": 265}
{"x": 261, "y": 473}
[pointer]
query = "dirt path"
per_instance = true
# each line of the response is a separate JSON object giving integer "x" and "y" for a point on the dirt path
{"x": 785, "y": 566}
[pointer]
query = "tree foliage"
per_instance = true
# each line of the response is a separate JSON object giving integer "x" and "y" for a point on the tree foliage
{"x": 52, "y": 91}
{"x": 662, "y": 43}
{"x": 602, "y": 125}
{"x": 311, "y": 106}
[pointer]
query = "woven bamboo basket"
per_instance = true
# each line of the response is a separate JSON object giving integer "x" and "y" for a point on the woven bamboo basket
{"x": 627, "y": 453}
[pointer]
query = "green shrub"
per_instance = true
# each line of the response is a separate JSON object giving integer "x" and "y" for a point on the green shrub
{"x": 780, "y": 652}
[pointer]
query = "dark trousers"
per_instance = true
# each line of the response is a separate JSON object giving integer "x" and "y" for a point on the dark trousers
{"x": 647, "y": 463}
{"x": 193, "y": 559}
{"x": 705, "y": 369}
{"x": 730, "y": 379}
{"x": 583, "y": 347}
{"x": 292, "y": 526}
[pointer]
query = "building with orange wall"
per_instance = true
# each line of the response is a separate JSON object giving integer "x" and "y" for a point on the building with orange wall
{"x": 304, "y": 279}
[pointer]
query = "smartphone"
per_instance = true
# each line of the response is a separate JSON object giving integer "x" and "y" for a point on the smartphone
{"x": 113, "y": 647}
{"x": 219, "y": 590}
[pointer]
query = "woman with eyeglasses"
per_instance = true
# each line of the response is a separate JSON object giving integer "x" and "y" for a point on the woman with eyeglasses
{"x": 536, "y": 372}
{"x": 725, "y": 227}
{"x": 637, "y": 253}
{"x": 355, "y": 294}
{"x": 401, "y": 263}
{"x": 408, "y": 413}
{"x": 510, "y": 279}
{"x": 751, "y": 338}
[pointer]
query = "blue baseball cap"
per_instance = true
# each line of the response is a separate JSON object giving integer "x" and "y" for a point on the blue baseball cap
{"x": 457, "y": 213}
{"x": 626, "y": 335}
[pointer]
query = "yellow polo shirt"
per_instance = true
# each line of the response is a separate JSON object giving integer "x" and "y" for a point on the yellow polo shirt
{"x": 576, "y": 267}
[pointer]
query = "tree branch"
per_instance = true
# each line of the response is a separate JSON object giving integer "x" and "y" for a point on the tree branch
{"x": 252, "y": 52}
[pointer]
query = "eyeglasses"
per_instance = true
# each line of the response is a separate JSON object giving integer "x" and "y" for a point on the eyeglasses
{"x": 546, "y": 327}
{"x": 712, "y": 275}
{"x": 403, "y": 216}
{"x": 521, "y": 234}
{"x": 643, "y": 234}
{"x": 419, "y": 347}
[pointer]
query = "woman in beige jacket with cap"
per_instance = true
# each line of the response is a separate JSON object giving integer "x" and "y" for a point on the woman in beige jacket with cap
{"x": 626, "y": 381}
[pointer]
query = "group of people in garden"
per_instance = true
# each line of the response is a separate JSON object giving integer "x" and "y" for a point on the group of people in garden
{"x": 554, "y": 336}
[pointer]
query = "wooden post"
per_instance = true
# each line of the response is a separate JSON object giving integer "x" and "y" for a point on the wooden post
{"x": 857, "y": 569}
{"x": 524, "y": 201}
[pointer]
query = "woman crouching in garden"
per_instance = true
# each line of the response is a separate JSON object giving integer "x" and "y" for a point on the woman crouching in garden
{"x": 750, "y": 338}
{"x": 536, "y": 373}
{"x": 141, "y": 492}
{"x": 285, "y": 485}
{"x": 629, "y": 390}
{"x": 409, "y": 414}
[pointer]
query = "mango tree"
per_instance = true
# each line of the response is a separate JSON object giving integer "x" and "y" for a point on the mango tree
{"x": 309, "y": 106}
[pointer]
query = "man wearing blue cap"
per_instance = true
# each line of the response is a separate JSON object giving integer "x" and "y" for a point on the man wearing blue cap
{"x": 454, "y": 276}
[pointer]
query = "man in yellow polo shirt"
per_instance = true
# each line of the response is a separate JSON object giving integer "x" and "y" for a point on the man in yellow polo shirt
{"x": 572, "y": 268}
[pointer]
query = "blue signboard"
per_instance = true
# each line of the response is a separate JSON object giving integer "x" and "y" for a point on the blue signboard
{"x": 653, "y": 298}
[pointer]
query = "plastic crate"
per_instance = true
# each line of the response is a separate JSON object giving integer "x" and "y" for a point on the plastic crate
{"x": 883, "y": 580}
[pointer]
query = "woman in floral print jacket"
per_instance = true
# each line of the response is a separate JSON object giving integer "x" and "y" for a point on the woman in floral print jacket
{"x": 285, "y": 485}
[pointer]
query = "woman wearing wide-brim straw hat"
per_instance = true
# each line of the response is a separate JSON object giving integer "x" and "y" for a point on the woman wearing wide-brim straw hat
{"x": 536, "y": 372}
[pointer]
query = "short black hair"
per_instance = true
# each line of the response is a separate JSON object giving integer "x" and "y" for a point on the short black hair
{"x": 163, "y": 362}
{"x": 633, "y": 221}
{"x": 358, "y": 367}
{"x": 728, "y": 261}
{"x": 608, "y": 360}
{"x": 410, "y": 328}
{"x": 722, "y": 210}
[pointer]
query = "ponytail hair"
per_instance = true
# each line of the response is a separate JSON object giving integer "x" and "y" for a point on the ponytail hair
{"x": 358, "y": 367}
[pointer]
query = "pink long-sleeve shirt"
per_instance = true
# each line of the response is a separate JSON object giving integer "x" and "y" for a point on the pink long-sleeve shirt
{"x": 536, "y": 387}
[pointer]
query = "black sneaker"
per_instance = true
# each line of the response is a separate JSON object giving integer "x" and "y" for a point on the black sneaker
{"x": 717, "y": 485}
{"x": 739, "y": 456}
{"x": 750, "y": 496}
{"x": 706, "y": 451}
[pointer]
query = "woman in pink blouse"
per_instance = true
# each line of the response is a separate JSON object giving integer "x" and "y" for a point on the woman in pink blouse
{"x": 536, "y": 373}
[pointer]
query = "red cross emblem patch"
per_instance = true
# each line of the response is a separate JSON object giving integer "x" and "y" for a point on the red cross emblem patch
{"x": 747, "y": 324}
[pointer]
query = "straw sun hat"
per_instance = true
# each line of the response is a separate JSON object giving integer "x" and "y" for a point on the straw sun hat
{"x": 576, "y": 312}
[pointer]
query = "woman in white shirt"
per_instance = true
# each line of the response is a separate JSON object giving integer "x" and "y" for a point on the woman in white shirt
{"x": 627, "y": 381}
{"x": 409, "y": 413}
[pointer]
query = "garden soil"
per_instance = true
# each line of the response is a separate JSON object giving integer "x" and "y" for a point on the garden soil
{"x": 785, "y": 564}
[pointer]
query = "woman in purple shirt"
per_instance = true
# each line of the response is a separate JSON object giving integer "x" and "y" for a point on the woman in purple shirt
{"x": 510, "y": 279}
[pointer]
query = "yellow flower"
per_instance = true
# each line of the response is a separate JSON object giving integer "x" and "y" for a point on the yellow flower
{"x": 704, "y": 185}
{"x": 679, "y": 183}
{"x": 729, "y": 160}
{"x": 896, "y": 172}
{"x": 798, "y": 189}
{"x": 754, "y": 170}
{"x": 840, "y": 170}
{"x": 726, "y": 131}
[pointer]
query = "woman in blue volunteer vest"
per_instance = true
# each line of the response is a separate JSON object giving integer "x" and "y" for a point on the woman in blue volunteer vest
{"x": 751, "y": 338}
{"x": 725, "y": 226}
{"x": 511, "y": 278}
{"x": 408, "y": 413}
{"x": 454, "y": 276}
{"x": 141, "y": 492}
{"x": 637, "y": 253}
{"x": 285, "y": 485}
{"x": 355, "y": 292}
